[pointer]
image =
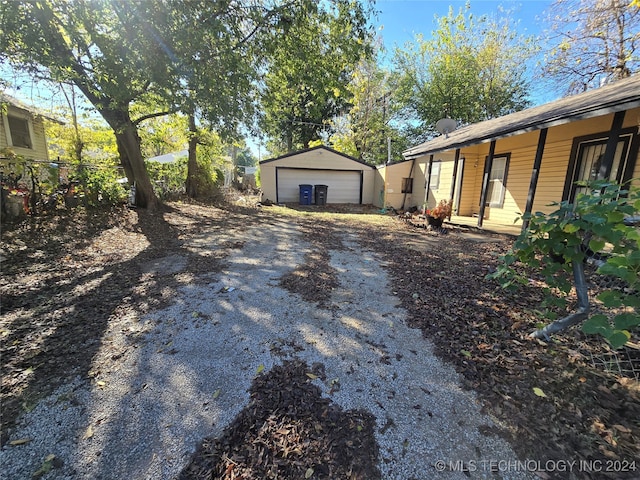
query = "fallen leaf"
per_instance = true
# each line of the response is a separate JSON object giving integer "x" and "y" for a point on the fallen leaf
{"x": 89, "y": 433}
{"x": 260, "y": 369}
{"x": 312, "y": 376}
{"x": 308, "y": 473}
{"x": 20, "y": 441}
{"x": 466, "y": 353}
{"x": 621, "y": 428}
{"x": 216, "y": 394}
{"x": 539, "y": 392}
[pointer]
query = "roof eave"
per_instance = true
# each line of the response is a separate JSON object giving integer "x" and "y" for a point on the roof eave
{"x": 438, "y": 144}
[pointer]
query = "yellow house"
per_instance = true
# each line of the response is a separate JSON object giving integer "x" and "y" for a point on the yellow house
{"x": 22, "y": 129}
{"x": 499, "y": 169}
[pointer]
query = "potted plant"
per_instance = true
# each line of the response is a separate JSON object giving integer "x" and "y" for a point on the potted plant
{"x": 436, "y": 215}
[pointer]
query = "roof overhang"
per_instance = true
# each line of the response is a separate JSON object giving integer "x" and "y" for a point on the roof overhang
{"x": 616, "y": 97}
{"x": 26, "y": 109}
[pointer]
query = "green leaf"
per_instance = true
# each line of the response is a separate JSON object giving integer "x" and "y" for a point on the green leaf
{"x": 634, "y": 257}
{"x": 615, "y": 217}
{"x": 619, "y": 338}
{"x": 539, "y": 392}
{"x": 570, "y": 228}
{"x": 626, "y": 321}
{"x": 598, "y": 324}
{"x": 610, "y": 298}
{"x": 596, "y": 245}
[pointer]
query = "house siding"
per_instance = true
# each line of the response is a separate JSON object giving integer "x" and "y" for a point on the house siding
{"x": 393, "y": 175}
{"x": 39, "y": 142}
{"x": 522, "y": 150}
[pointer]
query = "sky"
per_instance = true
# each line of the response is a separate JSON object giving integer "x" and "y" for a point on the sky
{"x": 400, "y": 20}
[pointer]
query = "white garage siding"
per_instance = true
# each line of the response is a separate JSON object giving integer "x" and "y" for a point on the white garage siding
{"x": 344, "y": 186}
{"x": 349, "y": 180}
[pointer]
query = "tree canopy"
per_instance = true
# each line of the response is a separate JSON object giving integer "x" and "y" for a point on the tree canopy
{"x": 471, "y": 70}
{"x": 592, "y": 42}
{"x": 196, "y": 57}
{"x": 371, "y": 121}
{"x": 305, "y": 84}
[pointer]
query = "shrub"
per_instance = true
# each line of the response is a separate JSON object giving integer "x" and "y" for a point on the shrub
{"x": 596, "y": 222}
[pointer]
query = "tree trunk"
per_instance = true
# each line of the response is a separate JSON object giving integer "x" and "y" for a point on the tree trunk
{"x": 115, "y": 113}
{"x": 128, "y": 143}
{"x": 192, "y": 163}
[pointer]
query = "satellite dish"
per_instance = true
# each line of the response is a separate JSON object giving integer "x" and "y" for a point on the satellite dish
{"x": 446, "y": 126}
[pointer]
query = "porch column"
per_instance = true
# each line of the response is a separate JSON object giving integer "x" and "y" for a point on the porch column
{"x": 542, "y": 140}
{"x": 485, "y": 181}
{"x": 453, "y": 180}
{"x": 427, "y": 183}
{"x": 612, "y": 143}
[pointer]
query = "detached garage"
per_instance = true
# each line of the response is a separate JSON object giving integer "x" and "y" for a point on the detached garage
{"x": 348, "y": 180}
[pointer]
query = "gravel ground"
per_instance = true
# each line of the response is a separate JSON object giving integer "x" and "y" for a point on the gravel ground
{"x": 163, "y": 382}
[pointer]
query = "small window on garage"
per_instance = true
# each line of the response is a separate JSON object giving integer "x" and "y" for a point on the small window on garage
{"x": 407, "y": 185}
{"x": 19, "y": 132}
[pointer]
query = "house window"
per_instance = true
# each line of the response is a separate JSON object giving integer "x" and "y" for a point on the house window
{"x": 407, "y": 185}
{"x": 19, "y": 132}
{"x": 497, "y": 181}
{"x": 434, "y": 181}
{"x": 586, "y": 159}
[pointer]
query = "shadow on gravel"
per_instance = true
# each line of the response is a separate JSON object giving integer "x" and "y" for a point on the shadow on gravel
{"x": 60, "y": 290}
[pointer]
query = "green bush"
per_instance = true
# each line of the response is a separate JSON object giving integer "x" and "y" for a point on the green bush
{"x": 102, "y": 187}
{"x": 594, "y": 223}
{"x": 168, "y": 179}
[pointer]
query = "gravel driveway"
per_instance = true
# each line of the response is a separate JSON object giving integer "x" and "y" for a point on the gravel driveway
{"x": 163, "y": 382}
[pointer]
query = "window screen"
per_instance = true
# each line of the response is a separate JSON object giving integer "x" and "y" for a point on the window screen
{"x": 497, "y": 182}
{"x": 19, "y": 128}
{"x": 434, "y": 182}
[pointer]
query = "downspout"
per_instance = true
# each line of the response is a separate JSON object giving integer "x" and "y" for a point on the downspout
{"x": 404, "y": 199}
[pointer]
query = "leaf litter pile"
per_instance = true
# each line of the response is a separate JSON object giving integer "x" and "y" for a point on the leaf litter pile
{"x": 552, "y": 400}
{"x": 290, "y": 431}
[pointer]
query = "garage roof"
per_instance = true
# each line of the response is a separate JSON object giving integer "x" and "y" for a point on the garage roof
{"x": 320, "y": 147}
{"x": 621, "y": 95}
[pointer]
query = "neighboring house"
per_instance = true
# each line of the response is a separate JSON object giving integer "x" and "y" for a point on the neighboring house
{"x": 22, "y": 129}
{"x": 348, "y": 179}
{"x": 499, "y": 169}
{"x": 170, "y": 157}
